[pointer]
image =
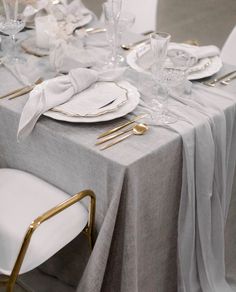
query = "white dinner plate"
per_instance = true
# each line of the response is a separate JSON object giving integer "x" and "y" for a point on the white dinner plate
{"x": 123, "y": 109}
{"x": 204, "y": 68}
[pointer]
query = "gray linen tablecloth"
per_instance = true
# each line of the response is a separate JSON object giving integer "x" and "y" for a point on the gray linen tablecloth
{"x": 137, "y": 184}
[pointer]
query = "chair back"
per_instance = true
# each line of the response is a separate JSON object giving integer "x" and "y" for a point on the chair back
{"x": 145, "y": 13}
{"x": 228, "y": 52}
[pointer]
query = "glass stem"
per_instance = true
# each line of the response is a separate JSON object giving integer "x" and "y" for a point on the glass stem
{"x": 13, "y": 37}
{"x": 164, "y": 101}
{"x": 114, "y": 47}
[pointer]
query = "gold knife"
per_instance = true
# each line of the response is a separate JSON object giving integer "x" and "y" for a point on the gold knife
{"x": 12, "y": 92}
{"x": 95, "y": 30}
{"x": 26, "y": 89}
{"x": 213, "y": 82}
{"x": 228, "y": 80}
{"x": 121, "y": 126}
{"x": 106, "y": 139}
{"x": 133, "y": 45}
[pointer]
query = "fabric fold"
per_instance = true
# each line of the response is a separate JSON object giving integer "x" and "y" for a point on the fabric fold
{"x": 57, "y": 91}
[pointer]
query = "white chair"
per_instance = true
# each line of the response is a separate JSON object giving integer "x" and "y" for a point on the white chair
{"x": 24, "y": 197}
{"x": 145, "y": 13}
{"x": 228, "y": 52}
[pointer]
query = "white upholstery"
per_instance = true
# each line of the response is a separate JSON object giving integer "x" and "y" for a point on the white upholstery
{"x": 228, "y": 52}
{"x": 24, "y": 197}
{"x": 145, "y": 12}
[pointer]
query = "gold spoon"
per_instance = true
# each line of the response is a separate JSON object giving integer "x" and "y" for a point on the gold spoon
{"x": 138, "y": 129}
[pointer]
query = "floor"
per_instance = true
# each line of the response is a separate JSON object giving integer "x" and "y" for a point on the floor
{"x": 208, "y": 21}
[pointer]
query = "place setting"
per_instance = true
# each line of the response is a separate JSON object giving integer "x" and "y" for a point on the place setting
{"x": 90, "y": 85}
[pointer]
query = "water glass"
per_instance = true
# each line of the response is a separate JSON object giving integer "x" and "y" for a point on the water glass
{"x": 126, "y": 21}
{"x": 181, "y": 61}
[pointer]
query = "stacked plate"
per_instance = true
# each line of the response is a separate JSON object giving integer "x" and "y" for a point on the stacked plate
{"x": 102, "y": 101}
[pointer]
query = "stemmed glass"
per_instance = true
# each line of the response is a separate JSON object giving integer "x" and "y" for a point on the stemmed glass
{"x": 163, "y": 77}
{"x": 126, "y": 21}
{"x": 11, "y": 23}
{"x": 112, "y": 10}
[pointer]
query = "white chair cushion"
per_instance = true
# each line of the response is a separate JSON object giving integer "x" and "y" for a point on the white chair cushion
{"x": 24, "y": 197}
{"x": 228, "y": 52}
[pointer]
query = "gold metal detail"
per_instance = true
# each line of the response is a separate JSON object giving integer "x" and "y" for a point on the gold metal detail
{"x": 111, "y": 131}
{"x": 138, "y": 129}
{"x": 9, "y": 281}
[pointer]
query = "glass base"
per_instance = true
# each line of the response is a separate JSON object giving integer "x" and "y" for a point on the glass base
{"x": 12, "y": 60}
{"x": 167, "y": 119}
{"x": 112, "y": 63}
{"x": 164, "y": 118}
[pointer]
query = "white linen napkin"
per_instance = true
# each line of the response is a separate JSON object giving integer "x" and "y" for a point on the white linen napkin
{"x": 57, "y": 91}
{"x": 71, "y": 13}
{"x": 66, "y": 56}
{"x": 32, "y": 9}
{"x": 195, "y": 52}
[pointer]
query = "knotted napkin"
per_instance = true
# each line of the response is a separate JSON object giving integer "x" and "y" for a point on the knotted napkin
{"x": 195, "y": 53}
{"x": 57, "y": 91}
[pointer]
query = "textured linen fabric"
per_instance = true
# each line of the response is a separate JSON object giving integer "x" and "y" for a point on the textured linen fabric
{"x": 138, "y": 186}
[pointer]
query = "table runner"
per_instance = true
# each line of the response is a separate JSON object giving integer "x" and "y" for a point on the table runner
{"x": 126, "y": 218}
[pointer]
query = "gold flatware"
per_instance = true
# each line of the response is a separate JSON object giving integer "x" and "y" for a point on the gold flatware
{"x": 192, "y": 42}
{"x": 14, "y": 92}
{"x": 95, "y": 29}
{"x": 138, "y": 129}
{"x": 213, "y": 82}
{"x": 113, "y": 136}
{"x": 26, "y": 89}
{"x": 111, "y": 131}
{"x": 133, "y": 45}
{"x": 228, "y": 80}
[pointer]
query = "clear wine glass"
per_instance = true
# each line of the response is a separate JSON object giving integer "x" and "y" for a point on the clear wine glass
{"x": 11, "y": 22}
{"x": 126, "y": 21}
{"x": 162, "y": 77}
{"x": 111, "y": 11}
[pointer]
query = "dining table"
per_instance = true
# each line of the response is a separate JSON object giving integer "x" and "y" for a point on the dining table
{"x": 138, "y": 183}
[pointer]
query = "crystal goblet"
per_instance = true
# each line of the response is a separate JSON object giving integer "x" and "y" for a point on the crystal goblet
{"x": 12, "y": 22}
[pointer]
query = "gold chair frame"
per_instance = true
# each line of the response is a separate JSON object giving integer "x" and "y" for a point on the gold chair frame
{"x": 10, "y": 281}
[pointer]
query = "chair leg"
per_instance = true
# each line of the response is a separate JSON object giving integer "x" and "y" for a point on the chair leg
{"x": 89, "y": 229}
